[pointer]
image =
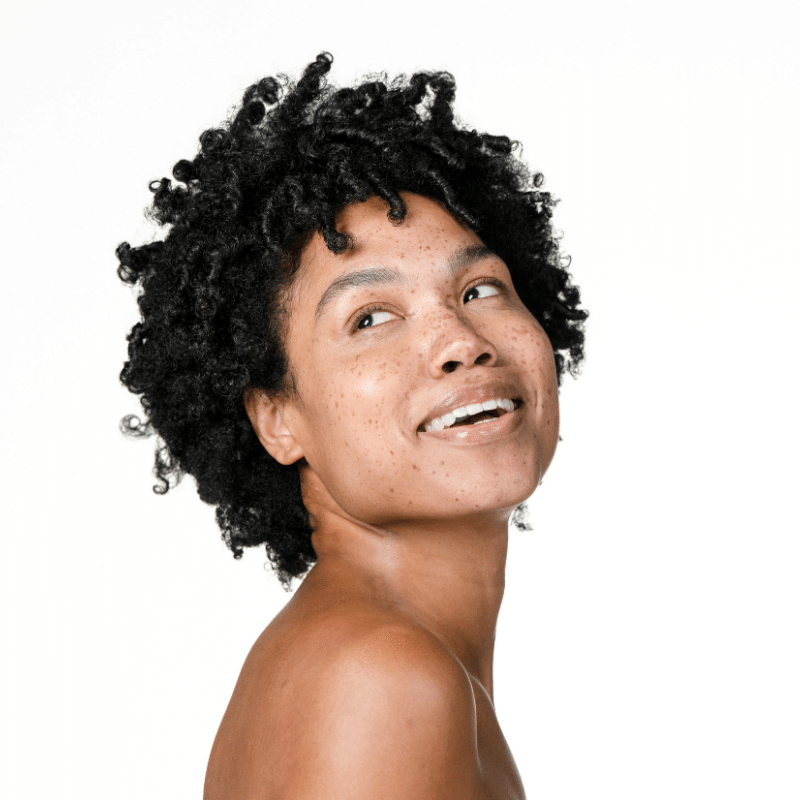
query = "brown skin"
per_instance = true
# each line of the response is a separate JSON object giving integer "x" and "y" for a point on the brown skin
{"x": 376, "y": 678}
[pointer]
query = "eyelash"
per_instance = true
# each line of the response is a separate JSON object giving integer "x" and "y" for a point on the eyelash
{"x": 496, "y": 282}
{"x": 365, "y": 312}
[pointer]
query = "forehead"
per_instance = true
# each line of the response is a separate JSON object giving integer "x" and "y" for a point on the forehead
{"x": 425, "y": 219}
{"x": 426, "y": 237}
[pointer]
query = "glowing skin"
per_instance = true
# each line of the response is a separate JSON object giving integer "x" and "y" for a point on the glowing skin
{"x": 364, "y": 390}
{"x": 416, "y": 323}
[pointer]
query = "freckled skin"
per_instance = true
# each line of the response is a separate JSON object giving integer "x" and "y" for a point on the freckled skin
{"x": 407, "y": 526}
{"x": 399, "y": 374}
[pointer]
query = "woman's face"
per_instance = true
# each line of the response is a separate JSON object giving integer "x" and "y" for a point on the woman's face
{"x": 416, "y": 326}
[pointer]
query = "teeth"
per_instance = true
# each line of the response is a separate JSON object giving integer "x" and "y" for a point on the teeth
{"x": 449, "y": 419}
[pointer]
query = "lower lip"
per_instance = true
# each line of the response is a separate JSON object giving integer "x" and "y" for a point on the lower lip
{"x": 478, "y": 433}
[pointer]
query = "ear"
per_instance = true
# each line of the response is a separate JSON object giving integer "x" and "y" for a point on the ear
{"x": 268, "y": 418}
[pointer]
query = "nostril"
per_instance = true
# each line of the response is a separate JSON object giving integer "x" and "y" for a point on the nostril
{"x": 482, "y": 359}
{"x": 449, "y": 366}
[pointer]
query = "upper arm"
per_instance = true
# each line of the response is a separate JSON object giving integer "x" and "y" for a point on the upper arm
{"x": 391, "y": 717}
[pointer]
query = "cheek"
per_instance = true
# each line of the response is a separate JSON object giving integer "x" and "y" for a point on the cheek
{"x": 373, "y": 384}
{"x": 354, "y": 412}
{"x": 526, "y": 345}
{"x": 530, "y": 348}
{"x": 355, "y": 440}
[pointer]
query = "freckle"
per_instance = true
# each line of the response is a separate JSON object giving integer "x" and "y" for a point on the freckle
{"x": 391, "y": 452}
{"x": 391, "y": 490}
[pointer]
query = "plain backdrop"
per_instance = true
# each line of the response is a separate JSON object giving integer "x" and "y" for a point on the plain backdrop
{"x": 648, "y": 642}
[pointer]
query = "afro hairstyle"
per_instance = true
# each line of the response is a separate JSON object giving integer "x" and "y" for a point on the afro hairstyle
{"x": 291, "y": 157}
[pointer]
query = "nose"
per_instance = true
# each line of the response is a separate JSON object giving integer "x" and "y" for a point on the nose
{"x": 458, "y": 344}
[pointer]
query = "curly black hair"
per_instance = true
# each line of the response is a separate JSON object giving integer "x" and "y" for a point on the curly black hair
{"x": 210, "y": 293}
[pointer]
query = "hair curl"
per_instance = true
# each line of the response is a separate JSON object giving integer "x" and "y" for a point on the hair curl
{"x": 293, "y": 156}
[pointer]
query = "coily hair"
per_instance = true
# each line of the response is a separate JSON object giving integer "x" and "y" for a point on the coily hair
{"x": 293, "y": 155}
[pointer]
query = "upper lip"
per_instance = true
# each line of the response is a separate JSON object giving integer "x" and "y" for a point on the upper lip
{"x": 471, "y": 394}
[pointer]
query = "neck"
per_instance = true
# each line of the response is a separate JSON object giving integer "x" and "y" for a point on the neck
{"x": 447, "y": 575}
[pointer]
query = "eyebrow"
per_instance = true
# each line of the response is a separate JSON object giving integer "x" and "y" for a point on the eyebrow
{"x": 372, "y": 276}
{"x": 376, "y": 276}
{"x": 467, "y": 256}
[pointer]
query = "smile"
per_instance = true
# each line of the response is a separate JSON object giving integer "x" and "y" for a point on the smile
{"x": 473, "y": 414}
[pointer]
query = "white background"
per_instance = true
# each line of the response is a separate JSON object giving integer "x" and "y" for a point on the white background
{"x": 648, "y": 642}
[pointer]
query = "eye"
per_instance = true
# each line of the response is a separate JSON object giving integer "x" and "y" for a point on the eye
{"x": 485, "y": 289}
{"x": 371, "y": 317}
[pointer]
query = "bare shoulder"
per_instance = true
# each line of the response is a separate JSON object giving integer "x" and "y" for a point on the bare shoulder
{"x": 390, "y": 714}
{"x": 347, "y": 706}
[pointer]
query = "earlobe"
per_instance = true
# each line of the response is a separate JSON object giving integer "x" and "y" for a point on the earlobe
{"x": 268, "y": 418}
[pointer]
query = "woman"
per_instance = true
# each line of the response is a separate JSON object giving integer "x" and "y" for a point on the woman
{"x": 352, "y": 338}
